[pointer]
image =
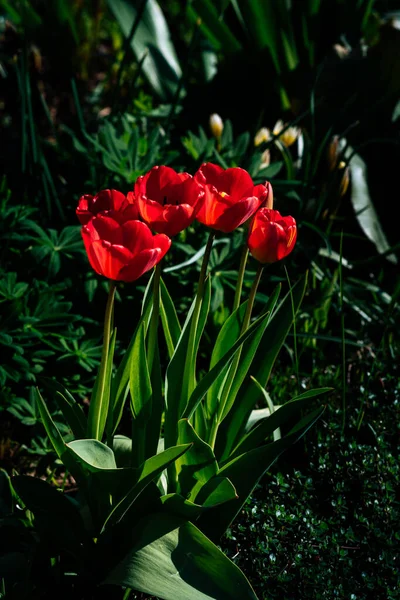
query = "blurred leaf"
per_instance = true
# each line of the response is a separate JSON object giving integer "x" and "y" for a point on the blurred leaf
{"x": 363, "y": 206}
{"x": 152, "y": 36}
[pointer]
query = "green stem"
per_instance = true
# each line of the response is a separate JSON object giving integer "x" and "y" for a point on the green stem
{"x": 239, "y": 283}
{"x": 97, "y": 404}
{"x": 153, "y": 328}
{"x": 235, "y": 363}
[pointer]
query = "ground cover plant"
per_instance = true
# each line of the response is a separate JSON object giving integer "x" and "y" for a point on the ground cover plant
{"x": 231, "y": 329}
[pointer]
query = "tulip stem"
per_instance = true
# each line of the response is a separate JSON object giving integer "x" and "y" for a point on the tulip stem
{"x": 239, "y": 283}
{"x": 224, "y": 408}
{"x": 153, "y": 328}
{"x": 98, "y": 408}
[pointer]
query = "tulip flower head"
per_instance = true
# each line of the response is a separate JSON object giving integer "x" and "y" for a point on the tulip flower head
{"x": 271, "y": 236}
{"x": 230, "y": 196}
{"x": 168, "y": 201}
{"x": 111, "y": 202}
{"x": 122, "y": 252}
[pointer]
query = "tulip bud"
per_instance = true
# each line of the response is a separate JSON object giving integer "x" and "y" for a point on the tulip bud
{"x": 262, "y": 135}
{"x": 345, "y": 179}
{"x": 216, "y": 125}
{"x": 332, "y": 153}
{"x": 289, "y": 136}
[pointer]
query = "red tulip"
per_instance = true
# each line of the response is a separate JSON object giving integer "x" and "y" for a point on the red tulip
{"x": 122, "y": 252}
{"x": 168, "y": 201}
{"x": 230, "y": 196}
{"x": 271, "y": 236}
{"x": 111, "y": 202}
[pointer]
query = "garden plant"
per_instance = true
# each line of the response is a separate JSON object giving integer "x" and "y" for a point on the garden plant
{"x": 199, "y": 391}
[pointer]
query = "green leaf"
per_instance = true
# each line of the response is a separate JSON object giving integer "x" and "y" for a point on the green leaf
{"x": 188, "y": 564}
{"x": 245, "y": 471}
{"x": 275, "y": 420}
{"x": 229, "y": 333}
{"x": 52, "y": 431}
{"x": 278, "y": 327}
{"x": 216, "y": 491}
{"x": 120, "y": 383}
{"x": 152, "y": 36}
{"x": 175, "y": 401}
{"x": 139, "y": 380}
{"x": 150, "y": 469}
{"x": 204, "y": 385}
{"x": 141, "y": 397}
{"x": 92, "y": 455}
{"x": 169, "y": 320}
{"x": 262, "y": 25}
{"x": 248, "y": 353}
{"x": 213, "y": 27}
{"x": 197, "y": 465}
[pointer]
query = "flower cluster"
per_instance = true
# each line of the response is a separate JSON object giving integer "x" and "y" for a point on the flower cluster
{"x": 117, "y": 229}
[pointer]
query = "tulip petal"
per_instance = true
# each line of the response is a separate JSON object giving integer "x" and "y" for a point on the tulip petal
{"x": 136, "y": 236}
{"x": 237, "y": 214}
{"x": 237, "y": 183}
{"x": 150, "y": 211}
{"x": 108, "y": 229}
{"x": 162, "y": 243}
{"x": 141, "y": 263}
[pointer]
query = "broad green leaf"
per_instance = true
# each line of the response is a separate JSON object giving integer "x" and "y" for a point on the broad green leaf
{"x": 216, "y": 491}
{"x": 244, "y": 471}
{"x": 229, "y": 333}
{"x": 204, "y": 385}
{"x": 173, "y": 560}
{"x": 275, "y": 420}
{"x": 197, "y": 465}
{"x": 52, "y": 431}
{"x": 248, "y": 352}
{"x": 150, "y": 469}
{"x": 233, "y": 426}
{"x": 169, "y": 320}
{"x": 175, "y": 400}
{"x": 122, "y": 448}
{"x": 363, "y": 206}
{"x": 92, "y": 454}
{"x": 152, "y": 36}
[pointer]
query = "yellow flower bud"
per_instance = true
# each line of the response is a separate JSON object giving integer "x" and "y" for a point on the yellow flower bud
{"x": 262, "y": 135}
{"x": 216, "y": 125}
{"x": 289, "y": 136}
